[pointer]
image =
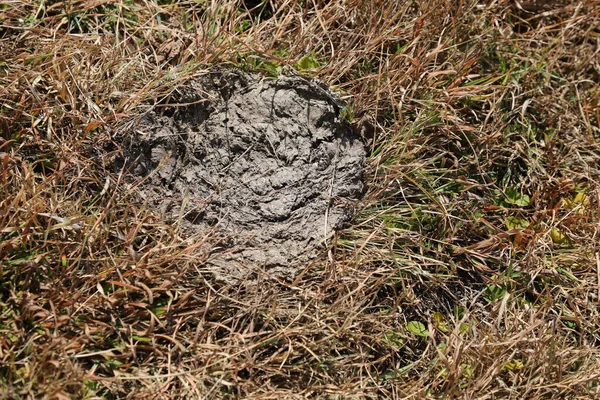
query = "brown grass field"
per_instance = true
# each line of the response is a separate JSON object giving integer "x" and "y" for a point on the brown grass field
{"x": 470, "y": 271}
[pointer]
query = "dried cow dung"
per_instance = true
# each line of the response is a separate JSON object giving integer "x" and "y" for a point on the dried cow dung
{"x": 266, "y": 163}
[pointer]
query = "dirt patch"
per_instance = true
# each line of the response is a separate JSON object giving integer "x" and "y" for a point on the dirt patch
{"x": 265, "y": 163}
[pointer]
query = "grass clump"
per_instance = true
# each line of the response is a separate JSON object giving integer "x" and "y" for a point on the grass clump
{"x": 470, "y": 271}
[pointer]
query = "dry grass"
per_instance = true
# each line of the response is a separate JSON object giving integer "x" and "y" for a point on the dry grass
{"x": 472, "y": 269}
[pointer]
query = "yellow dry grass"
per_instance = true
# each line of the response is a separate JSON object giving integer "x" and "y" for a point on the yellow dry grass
{"x": 472, "y": 268}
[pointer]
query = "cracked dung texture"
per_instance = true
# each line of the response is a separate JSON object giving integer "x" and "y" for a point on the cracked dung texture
{"x": 266, "y": 163}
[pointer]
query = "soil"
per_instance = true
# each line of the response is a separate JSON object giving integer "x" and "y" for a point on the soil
{"x": 267, "y": 164}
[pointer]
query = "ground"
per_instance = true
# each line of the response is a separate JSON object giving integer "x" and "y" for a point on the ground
{"x": 471, "y": 267}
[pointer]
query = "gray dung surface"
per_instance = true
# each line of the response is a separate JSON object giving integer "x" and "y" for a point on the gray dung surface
{"x": 265, "y": 163}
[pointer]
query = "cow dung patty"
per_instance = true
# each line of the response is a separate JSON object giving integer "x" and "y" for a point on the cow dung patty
{"x": 267, "y": 164}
